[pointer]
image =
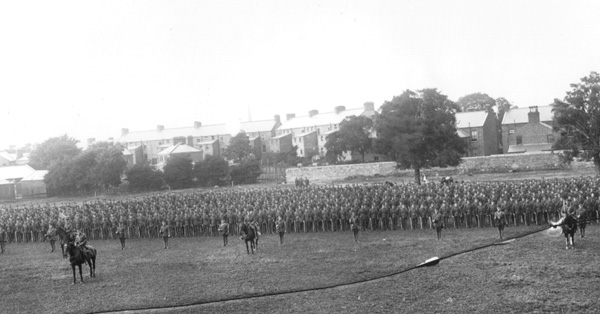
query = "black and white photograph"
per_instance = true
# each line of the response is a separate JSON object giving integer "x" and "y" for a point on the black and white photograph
{"x": 300, "y": 156}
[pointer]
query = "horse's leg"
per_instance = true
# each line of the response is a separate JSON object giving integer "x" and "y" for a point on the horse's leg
{"x": 74, "y": 275}
{"x": 80, "y": 272}
{"x": 247, "y": 249}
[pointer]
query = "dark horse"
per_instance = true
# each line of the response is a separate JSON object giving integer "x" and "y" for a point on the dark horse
{"x": 569, "y": 226}
{"x": 249, "y": 235}
{"x": 65, "y": 237}
{"x": 78, "y": 256}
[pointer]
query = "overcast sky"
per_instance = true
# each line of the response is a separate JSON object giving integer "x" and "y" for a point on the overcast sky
{"x": 90, "y": 68}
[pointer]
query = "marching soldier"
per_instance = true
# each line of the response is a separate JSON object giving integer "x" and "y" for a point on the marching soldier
{"x": 165, "y": 233}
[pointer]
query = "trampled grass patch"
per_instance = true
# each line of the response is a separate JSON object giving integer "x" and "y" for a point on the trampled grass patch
{"x": 533, "y": 274}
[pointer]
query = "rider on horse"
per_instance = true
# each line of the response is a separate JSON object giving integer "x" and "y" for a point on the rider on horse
{"x": 81, "y": 240}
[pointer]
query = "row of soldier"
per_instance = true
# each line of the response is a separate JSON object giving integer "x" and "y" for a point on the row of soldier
{"x": 308, "y": 209}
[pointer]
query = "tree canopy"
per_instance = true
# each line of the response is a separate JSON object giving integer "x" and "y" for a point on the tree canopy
{"x": 52, "y": 151}
{"x": 178, "y": 172}
{"x": 476, "y": 102}
{"x": 239, "y": 148}
{"x": 144, "y": 177}
{"x": 578, "y": 116}
{"x": 353, "y": 136}
{"x": 212, "y": 171}
{"x": 418, "y": 130}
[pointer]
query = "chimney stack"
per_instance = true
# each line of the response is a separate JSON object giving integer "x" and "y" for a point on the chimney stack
{"x": 277, "y": 119}
{"x": 124, "y": 131}
{"x": 290, "y": 116}
{"x": 197, "y": 124}
{"x": 160, "y": 128}
{"x": 533, "y": 115}
{"x": 369, "y": 106}
{"x": 313, "y": 113}
{"x": 339, "y": 109}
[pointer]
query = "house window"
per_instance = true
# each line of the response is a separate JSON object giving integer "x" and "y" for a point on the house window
{"x": 519, "y": 139}
{"x": 264, "y": 148}
{"x": 213, "y": 137}
{"x": 550, "y": 138}
{"x": 197, "y": 140}
{"x": 322, "y": 138}
{"x": 221, "y": 138}
{"x": 159, "y": 143}
{"x": 300, "y": 151}
{"x": 376, "y": 158}
{"x": 474, "y": 136}
{"x": 299, "y": 139}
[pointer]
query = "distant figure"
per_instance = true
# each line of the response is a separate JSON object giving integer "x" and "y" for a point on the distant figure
{"x": 2, "y": 238}
{"x": 438, "y": 223}
{"x": 164, "y": 232}
{"x": 500, "y": 220}
{"x": 425, "y": 181}
{"x": 224, "y": 230}
{"x": 121, "y": 234}
{"x": 51, "y": 235}
{"x": 280, "y": 228}
{"x": 354, "y": 226}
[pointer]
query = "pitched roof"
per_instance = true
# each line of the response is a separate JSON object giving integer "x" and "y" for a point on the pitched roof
{"x": 305, "y": 134}
{"x": 461, "y": 134}
{"x": 321, "y": 119}
{"x": 281, "y": 136}
{"x": 15, "y": 172}
{"x": 37, "y": 175}
{"x": 520, "y": 115}
{"x": 7, "y": 156}
{"x": 155, "y": 135}
{"x": 257, "y": 126}
{"x": 178, "y": 149}
{"x": 470, "y": 119}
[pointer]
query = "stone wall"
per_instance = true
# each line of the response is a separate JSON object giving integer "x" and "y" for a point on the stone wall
{"x": 331, "y": 173}
{"x": 473, "y": 165}
{"x": 510, "y": 162}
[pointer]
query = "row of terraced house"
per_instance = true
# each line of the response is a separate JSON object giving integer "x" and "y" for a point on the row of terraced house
{"x": 522, "y": 130}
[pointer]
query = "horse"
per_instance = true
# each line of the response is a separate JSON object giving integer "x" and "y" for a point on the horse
{"x": 65, "y": 237}
{"x": 249, "y": 235}
{"x": 78, "y": 256}
{"x": 569, "y": 226}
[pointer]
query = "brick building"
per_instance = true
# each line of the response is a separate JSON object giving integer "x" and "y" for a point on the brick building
{"x": 480, "y": 131}
{"x": 211, "y": 139}
{"x": 302, "y": 128}
{"x": 528, "y": 130}
{"x": 260, "y": 133}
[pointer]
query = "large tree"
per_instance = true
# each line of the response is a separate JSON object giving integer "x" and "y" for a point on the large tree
{"x": 354, "y": 135}
{"x": 144, "y": 177}
{"x": 178, "y": 172}
{"x": 52, "y": 151}
{"x": 110, "y": 164}
{"x": 476, "y": 102}
{"x": 418, "y": 130}
{"x": 212, "y": 171}
{"x": 578, "y": 116}
{"x": 239, "y": 148}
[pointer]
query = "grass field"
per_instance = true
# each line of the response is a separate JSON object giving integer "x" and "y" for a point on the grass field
{"x": 533, "y": 274}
